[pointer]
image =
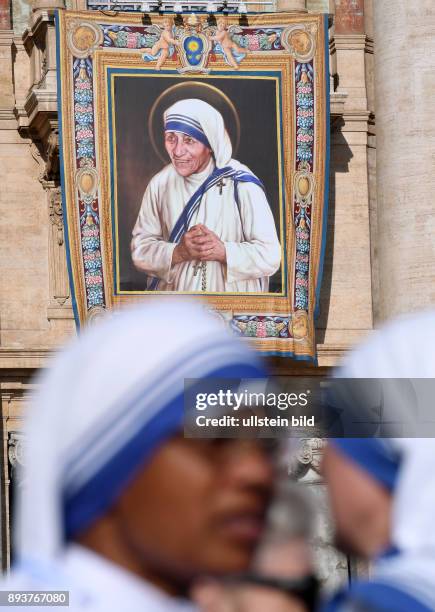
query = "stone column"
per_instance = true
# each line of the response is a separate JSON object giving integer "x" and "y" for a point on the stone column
{"x": 405, "y": 126}
{"x": 346, "y": 300}
{"x": 350, "y": 47}
{"x": 291, "y": 6}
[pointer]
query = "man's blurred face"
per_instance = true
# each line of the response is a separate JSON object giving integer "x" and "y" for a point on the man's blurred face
{"x": 361, "y": 507}
{"x": 198, "y": 507}
{"x": 188, "y": 155}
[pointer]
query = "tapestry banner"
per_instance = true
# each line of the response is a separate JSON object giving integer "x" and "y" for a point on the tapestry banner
{"x": 194, "y": 154}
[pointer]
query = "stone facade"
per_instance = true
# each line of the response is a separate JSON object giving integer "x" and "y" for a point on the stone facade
{"x": 372, "y": 266}
{"x": 404, "y": 86}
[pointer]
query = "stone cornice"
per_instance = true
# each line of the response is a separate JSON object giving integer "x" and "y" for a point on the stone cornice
{"x": 24, "y": 359}
{"x": 41, "y": 100}
{"x": 357, "y": 120}
{"x": 39, "y": 112}
{"x": 34, "y": 358}
{"x": 39, "y": 19}
{"x": 6, "y": 38}
{"x": 60, "y": 312}
{"x": 18, "y": 42}
{"x": 338, "y": 101}
{"x": 330, "y": 355}
{"x": 37, "y": 27}
{"x": 348, "y": 42}
{"x": 7, "y": 115}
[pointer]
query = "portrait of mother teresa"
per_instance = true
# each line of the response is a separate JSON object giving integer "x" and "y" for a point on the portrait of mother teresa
{"x": 205, "y": 224}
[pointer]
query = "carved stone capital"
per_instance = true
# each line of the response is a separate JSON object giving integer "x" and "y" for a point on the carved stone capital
{"x": 55, "y": 212}
{"x": 59, "y": 306}
{"x": 52, "y": 164}
{"x": 16, "y": 449}
{"x": 307, "y": 457}
{"x": 46, "y": 154}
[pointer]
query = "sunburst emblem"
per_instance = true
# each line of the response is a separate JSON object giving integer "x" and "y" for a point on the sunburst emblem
{"x": 194, "y": 48}
{"x": 193, "y": 45}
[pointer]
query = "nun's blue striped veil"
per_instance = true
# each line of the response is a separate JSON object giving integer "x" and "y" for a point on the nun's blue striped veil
{"x": 106, "y": 404}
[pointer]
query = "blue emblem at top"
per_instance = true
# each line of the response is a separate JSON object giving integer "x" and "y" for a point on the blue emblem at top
{"x": 194, "y": 48}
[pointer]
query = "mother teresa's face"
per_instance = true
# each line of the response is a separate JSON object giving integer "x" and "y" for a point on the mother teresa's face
{"x": 187, "y": 154}
{"x": 198, "y": 507}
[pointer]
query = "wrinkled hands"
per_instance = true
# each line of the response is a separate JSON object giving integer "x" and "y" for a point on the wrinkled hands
{"x": 199, "y": 244}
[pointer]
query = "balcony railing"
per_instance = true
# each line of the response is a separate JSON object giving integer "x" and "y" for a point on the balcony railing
{"x": 175, "y": 6}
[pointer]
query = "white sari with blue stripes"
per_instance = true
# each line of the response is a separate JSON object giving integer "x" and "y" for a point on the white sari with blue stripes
{"x": 231, "y": 202}
{"x": 404, "y": 581}
{"x": 400, "y": 584}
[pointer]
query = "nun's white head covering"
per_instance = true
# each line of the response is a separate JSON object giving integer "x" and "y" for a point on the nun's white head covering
{"x": 404, "y": 348}
{"x": 203, "y": 122}
{"x": 105, "y": 405}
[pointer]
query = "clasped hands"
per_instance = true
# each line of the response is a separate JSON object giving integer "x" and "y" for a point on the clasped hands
{"x": 199, "y": 244}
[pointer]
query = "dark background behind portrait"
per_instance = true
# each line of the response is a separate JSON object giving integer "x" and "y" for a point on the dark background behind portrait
{"x": 137, "y": 161}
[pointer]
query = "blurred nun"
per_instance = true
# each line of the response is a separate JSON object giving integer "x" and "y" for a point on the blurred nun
{"x": 382, "y": 490}
{"x": 118, "y": 507}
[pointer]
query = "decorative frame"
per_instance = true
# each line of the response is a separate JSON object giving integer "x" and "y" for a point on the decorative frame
{"x": 293, "y": 49}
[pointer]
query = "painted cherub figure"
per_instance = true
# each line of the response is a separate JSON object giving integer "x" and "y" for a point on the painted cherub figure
{"x": 228, "y": 45}
{"x": 161, "y": 48}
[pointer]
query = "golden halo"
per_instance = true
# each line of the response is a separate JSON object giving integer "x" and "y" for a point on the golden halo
{"x": 191, "y": 89}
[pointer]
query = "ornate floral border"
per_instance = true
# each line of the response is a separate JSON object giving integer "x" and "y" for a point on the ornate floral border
{"x": 287, "y": 328}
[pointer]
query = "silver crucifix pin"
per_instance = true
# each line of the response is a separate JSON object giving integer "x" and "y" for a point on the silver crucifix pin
{"x": 220, "y": 185}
